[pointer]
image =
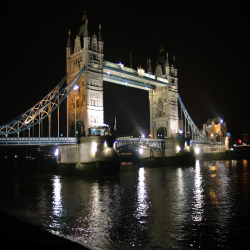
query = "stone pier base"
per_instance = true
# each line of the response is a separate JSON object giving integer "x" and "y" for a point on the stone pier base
{"x": 94, "y": 156}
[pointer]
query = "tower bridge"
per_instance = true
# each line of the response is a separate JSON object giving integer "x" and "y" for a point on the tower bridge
{"x": 86, "y": 70}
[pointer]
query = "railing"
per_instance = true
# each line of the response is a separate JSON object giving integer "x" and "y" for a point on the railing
{"x": 127, "y": 81}
{"x": 38, "y": 140}
{"x": 120, "y": 68}
{"x": 205, "y": 142}
{"x": 42, "y": 109}
{"x": 156, "y": 143}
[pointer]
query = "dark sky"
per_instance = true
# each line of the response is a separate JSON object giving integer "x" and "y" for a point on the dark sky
{"x": 210, "y": 42}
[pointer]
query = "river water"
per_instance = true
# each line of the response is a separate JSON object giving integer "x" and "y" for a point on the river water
{"x": 205, "y": 206}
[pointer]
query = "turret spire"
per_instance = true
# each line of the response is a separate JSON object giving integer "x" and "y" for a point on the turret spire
{"x": 100, "y": 34}
{"x": 69, "y": 42}
{"x": 174, "y": 62}
{"x": 150, "y": 71}
{"x": 167, "y": 62}
{"x": 86, "y": 32}
{"x": 175, "y": 68}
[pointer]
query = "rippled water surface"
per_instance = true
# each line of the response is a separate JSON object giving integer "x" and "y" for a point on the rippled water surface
{"x": 206, "y": 206}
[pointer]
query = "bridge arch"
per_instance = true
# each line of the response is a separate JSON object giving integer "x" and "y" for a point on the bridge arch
{"x": 80, "y": 128}
{"x": 159, "y": 99}
{"x": 161, "y": 132}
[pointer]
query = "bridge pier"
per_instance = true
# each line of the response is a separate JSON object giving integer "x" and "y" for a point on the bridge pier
{"x": 93, "y": 156}
{"x": 165, "y": 152}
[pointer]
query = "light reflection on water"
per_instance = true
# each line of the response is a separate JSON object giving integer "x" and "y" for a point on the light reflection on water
{"x": 198, "y": 194}
{"x": 203, "y": 206}
{"x": 57, "y": 198}
{"x": 142, "y": 206}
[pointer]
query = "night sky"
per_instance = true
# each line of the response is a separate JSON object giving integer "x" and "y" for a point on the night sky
{"x": 210, "y": 43}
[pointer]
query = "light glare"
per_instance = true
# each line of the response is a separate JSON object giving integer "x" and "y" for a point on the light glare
{"x": 197, "y": 150}
{"x": 56, "y": 152}
{"x": 76, "y": 87}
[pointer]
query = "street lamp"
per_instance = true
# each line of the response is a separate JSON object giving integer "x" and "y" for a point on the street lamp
{"x": 75, "y": 88}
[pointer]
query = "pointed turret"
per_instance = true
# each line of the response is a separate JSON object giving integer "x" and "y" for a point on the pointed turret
{"x": 83, "y": 27}
{"x": 150, "y": 71}
{"x": 69, "y": 41}
{"x": 100, "y": 43}
{"x": 162, "y": 61}
{"x": 86, "y": 37}
{"x": 175, "y": 68}
{"x": 172, "y": 69}
{"x": 68, "y": 47}
{"x": 86, "y": 31}
{"x": 174, "y": 62}
{"x": 100, "y": 34}
{"x": 167, "y": 62}
{"x": 167, "y": 66}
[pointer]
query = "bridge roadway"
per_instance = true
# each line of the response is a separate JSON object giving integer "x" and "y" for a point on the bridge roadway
{"x": 153, "y": 143}
{"x": 121, "y": 141}
{"x": 157, "y": 144}
{"x": 117, "y": 73}
{"x": 37, "y": 140}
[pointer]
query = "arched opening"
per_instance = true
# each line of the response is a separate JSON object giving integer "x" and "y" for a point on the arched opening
{"x": 160, "y": 99}
{"x": 80, "y": 129}
{"x": 161, "y": 132}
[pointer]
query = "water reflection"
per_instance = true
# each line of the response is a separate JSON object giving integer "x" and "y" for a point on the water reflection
{"x": 234, "y": 163}
{"x": 213, "y": 168}
{"x": 181, "y": 195}
{"x": 198, "y": 194}
{"x": 55, "y": 223}
{"x": 244, "y": 163}
{"x": 214, "y": 197}
{"x": 57, "y": 197}
{"x": 142, "y": 206}
{"x": 206, "y": 205}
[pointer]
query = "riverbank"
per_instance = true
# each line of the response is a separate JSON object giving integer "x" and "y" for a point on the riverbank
{"x": 18, "y": 233}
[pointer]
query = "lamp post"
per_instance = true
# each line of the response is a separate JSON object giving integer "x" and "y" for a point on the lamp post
{"x": 75, "y": 88}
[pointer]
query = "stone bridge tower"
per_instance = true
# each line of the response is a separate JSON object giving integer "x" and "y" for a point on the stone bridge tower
{"x": 163, "y": 101}
{"x": 88, "y": 97}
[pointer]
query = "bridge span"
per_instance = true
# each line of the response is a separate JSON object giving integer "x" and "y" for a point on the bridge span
{"x": 86, "y": 71}
{"x": 37, "y": 140}
{"x": 155, "y": 144}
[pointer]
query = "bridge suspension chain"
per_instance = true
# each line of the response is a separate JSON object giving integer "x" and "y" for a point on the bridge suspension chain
{"x": 42, "y": 109}
{"x": 191, "y": 123}
{"x": 193, "y": 126}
